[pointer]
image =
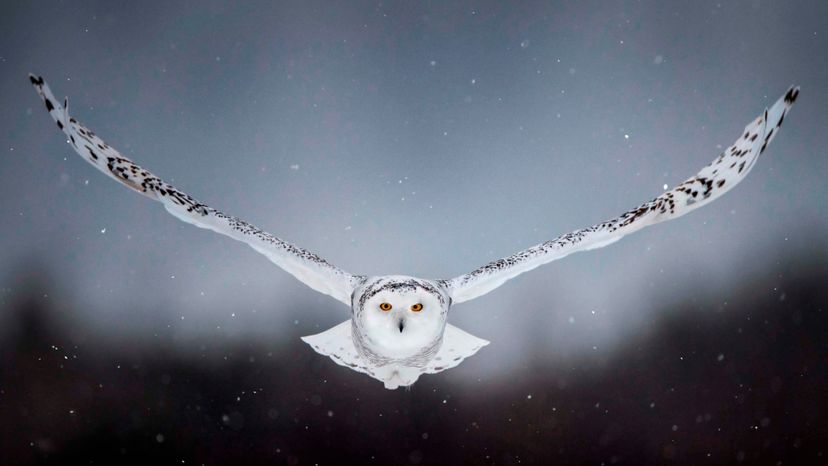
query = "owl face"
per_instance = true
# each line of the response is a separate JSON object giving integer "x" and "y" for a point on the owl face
{"x": 399, "y": 317}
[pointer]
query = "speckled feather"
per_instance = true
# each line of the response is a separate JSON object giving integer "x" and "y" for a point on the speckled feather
{"x": 302, "y": 264}
{"x": 721, "y": 175}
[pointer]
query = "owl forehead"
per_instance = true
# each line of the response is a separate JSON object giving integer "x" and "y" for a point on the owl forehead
{"x": 402, "y": 287}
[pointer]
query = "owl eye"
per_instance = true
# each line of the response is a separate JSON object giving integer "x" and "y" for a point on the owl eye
{"x": 385, "y": 306}
{"x": 417, "y": 307}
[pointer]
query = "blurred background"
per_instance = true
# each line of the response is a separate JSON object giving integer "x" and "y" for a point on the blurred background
{"x": 424, "y": 139}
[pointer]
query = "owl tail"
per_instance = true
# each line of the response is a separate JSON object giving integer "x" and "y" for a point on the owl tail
{"x": 338, "y": 344}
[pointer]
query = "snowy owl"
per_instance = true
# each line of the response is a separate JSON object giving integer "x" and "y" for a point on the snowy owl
{"x": 398, "y": 329}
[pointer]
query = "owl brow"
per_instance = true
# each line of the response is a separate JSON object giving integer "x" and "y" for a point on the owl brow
{"x": 409, "y": 285}
{"x": 372, "y": 291}
{"x": 433, "y": 291}
{"x": 390, "y": 286}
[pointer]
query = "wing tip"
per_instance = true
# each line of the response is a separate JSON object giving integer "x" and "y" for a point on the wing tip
{"x": 53, "y": 106}
{"x": 36, "y": 80}
{"x": 791, "y": 95}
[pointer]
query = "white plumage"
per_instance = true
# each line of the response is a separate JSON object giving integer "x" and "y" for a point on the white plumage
{"x": 398, "y": 327}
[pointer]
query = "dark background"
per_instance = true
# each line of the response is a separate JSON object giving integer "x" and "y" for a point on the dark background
{"x": 425, "y": 139}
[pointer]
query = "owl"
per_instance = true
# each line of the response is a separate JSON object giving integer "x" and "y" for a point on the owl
{"x": 398, "y": 328}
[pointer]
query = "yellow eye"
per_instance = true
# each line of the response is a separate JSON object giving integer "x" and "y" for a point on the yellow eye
{"x": 417, "y": 307}
{"x": 385, "y": 306}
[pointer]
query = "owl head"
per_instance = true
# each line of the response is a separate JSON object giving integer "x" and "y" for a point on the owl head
{"x": 399, "y": 317}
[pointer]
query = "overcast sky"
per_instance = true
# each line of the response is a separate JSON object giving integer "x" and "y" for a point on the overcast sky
{"x": 413, "y": 138}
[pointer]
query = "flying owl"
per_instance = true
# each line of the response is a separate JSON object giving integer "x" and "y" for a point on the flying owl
{"x": 398, "y": 329}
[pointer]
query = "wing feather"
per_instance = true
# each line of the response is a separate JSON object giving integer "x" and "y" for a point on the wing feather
{"x": 302, "y": 264}
{"x": 720, "y": 176}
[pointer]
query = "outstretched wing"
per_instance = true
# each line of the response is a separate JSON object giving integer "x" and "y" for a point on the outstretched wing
{"x": 309, "y": 268}
{"x": 729, "y": 168}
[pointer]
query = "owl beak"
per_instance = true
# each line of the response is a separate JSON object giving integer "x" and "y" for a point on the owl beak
{"x": 401, "y": 324}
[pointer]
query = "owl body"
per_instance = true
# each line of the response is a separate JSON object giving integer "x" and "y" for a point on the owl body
{"x": 397, "y": 331}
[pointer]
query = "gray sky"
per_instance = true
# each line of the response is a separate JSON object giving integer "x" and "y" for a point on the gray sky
{"x": 413, "y": 138}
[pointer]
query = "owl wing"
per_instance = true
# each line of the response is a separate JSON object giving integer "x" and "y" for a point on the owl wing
{"x": 306, "y": 266}
{"x": 457, "y": 346}
{"x": 721, "y": 175}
